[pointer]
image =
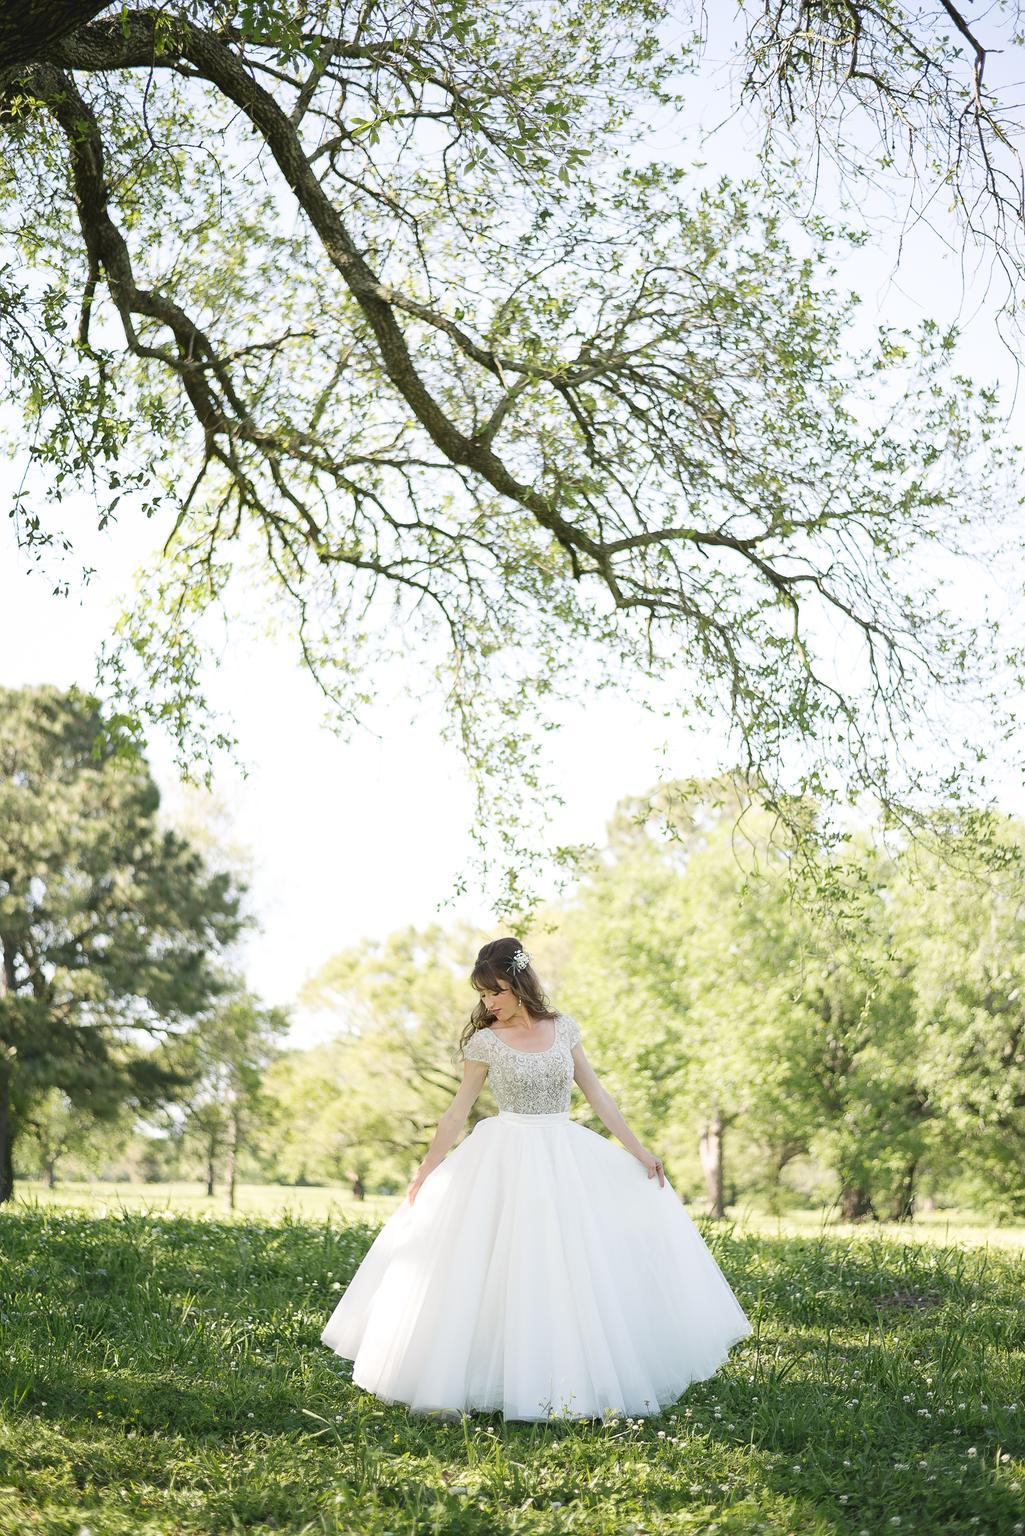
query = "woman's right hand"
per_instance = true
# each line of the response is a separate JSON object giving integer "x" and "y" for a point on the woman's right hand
{"x": 414, "y": 1185}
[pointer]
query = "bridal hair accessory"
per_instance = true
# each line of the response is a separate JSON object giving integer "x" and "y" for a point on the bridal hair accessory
{"x": 519, "y": 960}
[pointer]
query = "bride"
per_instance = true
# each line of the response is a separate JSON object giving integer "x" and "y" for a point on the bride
{"x": 537, "y": 1269}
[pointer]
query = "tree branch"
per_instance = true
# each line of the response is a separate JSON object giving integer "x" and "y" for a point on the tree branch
{"x": 29, "y": 28}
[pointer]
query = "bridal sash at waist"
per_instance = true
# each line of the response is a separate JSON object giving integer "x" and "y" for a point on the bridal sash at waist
{"x": 514, "y": 1114}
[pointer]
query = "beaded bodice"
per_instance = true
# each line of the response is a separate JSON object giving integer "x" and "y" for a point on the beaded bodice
{"x": 528, "y": 1082}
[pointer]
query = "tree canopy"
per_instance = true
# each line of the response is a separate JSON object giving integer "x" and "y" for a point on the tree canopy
{"x": 392, "y": 309}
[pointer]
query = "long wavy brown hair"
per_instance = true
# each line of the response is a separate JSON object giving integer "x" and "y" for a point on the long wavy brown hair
{"x": 492, "y": 967}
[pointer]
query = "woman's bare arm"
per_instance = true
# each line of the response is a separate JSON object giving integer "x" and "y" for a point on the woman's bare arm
{"x": 609, "y": 1113}
{"x": 451, "y": 1122}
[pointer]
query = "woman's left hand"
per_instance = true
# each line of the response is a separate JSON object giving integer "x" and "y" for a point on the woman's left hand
{"x": 653, "y": 1165}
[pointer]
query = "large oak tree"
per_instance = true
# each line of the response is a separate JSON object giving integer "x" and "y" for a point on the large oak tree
{"x": 390, "y": 305}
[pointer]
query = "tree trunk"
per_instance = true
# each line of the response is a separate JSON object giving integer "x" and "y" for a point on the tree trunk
{"x": 6, "y": 1164}
{"x": 710, "y": 1148}
{"x": 50, "y": 1166}
{"x": 7, "y": 1057}
{"x": 902, "y": 1203}
{"x": 211, "y": 1166}
{"x": 231, "y": 1155}
{"x": 358, "y": 1189}
{"x": 856, "y": 1202}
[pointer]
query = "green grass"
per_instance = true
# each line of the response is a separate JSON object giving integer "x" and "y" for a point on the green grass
{"x": 161, "y": 1371}
{"x": 317, "y": 1202}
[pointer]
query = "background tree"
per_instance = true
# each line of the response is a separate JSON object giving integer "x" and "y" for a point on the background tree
{"x": 373, "y": 1096}
{"x": 56, "y": 1129}
{"x": 962, "y": 925}
{"x": 450, "y": 338}
{"x": 727, "y": 1013}
{"x": 342, "y": 1116}
{"x": 109, "y": 926}
{"x": 200, "y": 1126}
{"x": 698, "y": 1017}
{"x": 226, "y": 1056}
{"x": 873, "y": 1121}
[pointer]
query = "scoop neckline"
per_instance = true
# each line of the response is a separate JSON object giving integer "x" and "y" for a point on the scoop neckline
{"x": 520, "y": 1052}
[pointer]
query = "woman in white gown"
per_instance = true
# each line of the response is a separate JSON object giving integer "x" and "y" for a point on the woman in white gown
{"x": 538, "y": 1269}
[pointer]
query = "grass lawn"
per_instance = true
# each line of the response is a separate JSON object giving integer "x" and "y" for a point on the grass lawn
{"x": 161, "y": 1371}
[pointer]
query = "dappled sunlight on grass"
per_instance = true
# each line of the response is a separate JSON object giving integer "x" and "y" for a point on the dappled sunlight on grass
{"x": 161, "y": 1373}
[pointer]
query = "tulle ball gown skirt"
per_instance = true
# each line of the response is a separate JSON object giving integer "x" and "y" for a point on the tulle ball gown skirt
{"x": 539, "y": 1273}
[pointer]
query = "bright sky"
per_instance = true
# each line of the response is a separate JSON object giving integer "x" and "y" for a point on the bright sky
{"x": 352, "y": 840}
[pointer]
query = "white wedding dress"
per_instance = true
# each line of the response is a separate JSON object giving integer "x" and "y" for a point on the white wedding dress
{"x": 539, "y": 1271}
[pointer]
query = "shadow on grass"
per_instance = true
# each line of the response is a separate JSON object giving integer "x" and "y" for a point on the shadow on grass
{"x": 882, "y": 1380}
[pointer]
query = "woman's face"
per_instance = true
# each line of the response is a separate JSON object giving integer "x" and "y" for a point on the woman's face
{"x": 501, "y": 1004}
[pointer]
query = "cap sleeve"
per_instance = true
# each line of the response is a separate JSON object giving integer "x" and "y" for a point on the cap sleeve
{"x": 571, "y": 1030}
{"x": 478, "y": 1047}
